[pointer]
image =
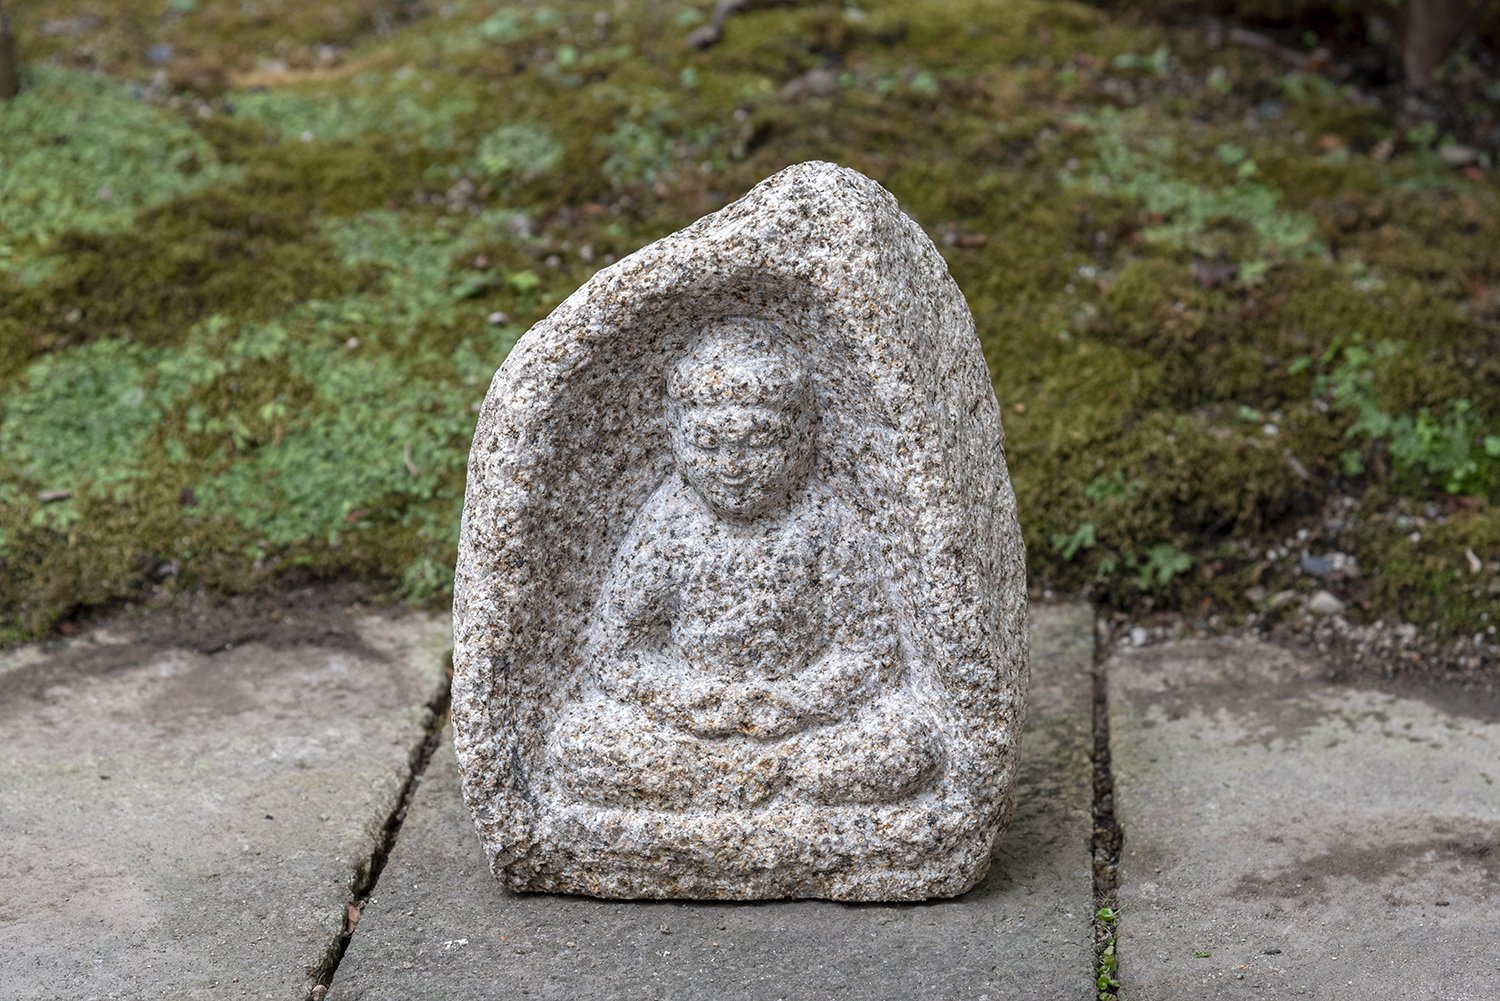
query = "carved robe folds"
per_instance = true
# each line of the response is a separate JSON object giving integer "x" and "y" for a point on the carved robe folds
{"x": 740, "y": 607}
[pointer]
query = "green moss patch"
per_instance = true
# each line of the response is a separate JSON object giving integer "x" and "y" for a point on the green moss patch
{"x": 1214, "y": 293}
{"x": 83, "y": 154}
{"x": 400, "y": 102}
{"x": 82, "y": 414}
{"x": 215, "y": 252}
{"x": 1438, "y": 572}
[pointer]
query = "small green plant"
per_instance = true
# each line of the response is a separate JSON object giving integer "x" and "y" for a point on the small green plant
{"x": 1112, "y": 487}
{"x": 1108, "y": 495}
{"x": 503, "y": 26}
{"x": 653, "y": 137}
{"x": 1423, "y": 136}
{"x": 510, "y": 25}
{"x": 1162, "y": 562}
{"x": 926, "y": 84}
{"x": 1186, "y": 215}
{"x": 1068, "y": 544}
{"x": 1450, "y": 447}
{"x": 1447, "y": 448}
{"x": 1158, "y": 62}
{"x": 518, "y": 151}
{"x": 1301, "y": 87}
{"x": 1107, "y": 978}
{"x": 1231, "y": 155}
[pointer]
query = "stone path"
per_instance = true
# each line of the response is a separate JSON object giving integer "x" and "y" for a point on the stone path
{"x": 1290, "y": 837}
{"x": 439, "y": 926}
{"x": 191, "y": 819}
{"x": 186, "y": 824}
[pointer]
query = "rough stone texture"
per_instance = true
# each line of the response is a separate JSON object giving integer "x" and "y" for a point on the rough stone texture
{"x": 1316, "y": 840}
{"x": 177, "y": 823}
{"x": 740, "y": 607}
{"x": 438, "y": 926}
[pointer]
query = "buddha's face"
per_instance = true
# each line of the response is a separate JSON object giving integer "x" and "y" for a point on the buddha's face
{"x": 744, "y": 460}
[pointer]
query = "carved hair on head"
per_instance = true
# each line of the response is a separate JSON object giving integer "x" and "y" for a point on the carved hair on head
{"x": 739, "y": 359}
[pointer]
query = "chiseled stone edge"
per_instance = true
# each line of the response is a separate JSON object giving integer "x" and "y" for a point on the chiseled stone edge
{"x": 823, "y": 230}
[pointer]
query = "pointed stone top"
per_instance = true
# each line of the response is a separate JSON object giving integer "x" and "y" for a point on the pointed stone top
{"x": 740, "y": 605}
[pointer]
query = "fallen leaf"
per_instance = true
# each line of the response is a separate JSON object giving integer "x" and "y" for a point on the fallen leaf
{"x": 1330, "y": 143}
{"x": 1213, "y": 274}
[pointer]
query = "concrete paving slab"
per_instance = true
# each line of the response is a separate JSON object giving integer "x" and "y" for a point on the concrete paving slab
{"x": 1285, "y": 836}
{"x": 187, "y": 824}
{"x": 439, "y": 926}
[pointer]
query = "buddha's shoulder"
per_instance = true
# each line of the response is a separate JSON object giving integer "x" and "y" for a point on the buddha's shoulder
{"x": 668, "y": 513}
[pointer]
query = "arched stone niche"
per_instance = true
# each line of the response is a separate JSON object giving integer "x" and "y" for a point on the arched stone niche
{"x": 573, "y": 454}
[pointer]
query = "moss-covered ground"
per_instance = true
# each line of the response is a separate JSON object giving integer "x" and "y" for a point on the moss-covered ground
{"x": 259, "y": 261}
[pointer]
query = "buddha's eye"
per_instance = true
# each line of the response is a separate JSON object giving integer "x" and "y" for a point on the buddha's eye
{"x": 706, "y": 439}
{"x": 761, "y": 439}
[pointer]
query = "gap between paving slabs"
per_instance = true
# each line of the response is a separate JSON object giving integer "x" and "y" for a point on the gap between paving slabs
{"x": 369, "y": 875}
{"x": 1108, "y": 835}
{"x": 1294, "y": 831}
{"x": 437, "y": 925}
{"x": 187, "y": 798}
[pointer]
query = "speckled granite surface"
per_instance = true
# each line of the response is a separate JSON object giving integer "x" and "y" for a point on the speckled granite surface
{"x": 740, "y": 608}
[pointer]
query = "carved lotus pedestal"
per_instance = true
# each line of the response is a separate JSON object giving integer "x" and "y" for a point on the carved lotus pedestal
{"x": 740, "y": 605}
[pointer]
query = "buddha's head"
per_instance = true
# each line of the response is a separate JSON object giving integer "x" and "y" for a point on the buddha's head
{"x": 740, "y": 410}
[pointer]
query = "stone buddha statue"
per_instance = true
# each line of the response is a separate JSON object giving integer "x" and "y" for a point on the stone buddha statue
{"x": 742, "y": 647}
{"x": 740, "y": 606}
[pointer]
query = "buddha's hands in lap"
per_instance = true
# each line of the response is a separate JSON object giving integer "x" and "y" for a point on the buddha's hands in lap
{"x": 704, "y": 707}
{"x": 664, "y": 688}
{"x": 836, "y": 680}
{"x": 763, "y": 710}
{"x": 821, "y": 693}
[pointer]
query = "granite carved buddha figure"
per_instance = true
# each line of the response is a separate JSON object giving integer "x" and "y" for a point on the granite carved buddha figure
{"x": 740, "y": 600}
{"x": 743, "y": 639}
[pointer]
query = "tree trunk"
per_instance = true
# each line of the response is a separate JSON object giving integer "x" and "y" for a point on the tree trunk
{"x": 1430, "y": 30}
{"x": 10, "y": 62}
